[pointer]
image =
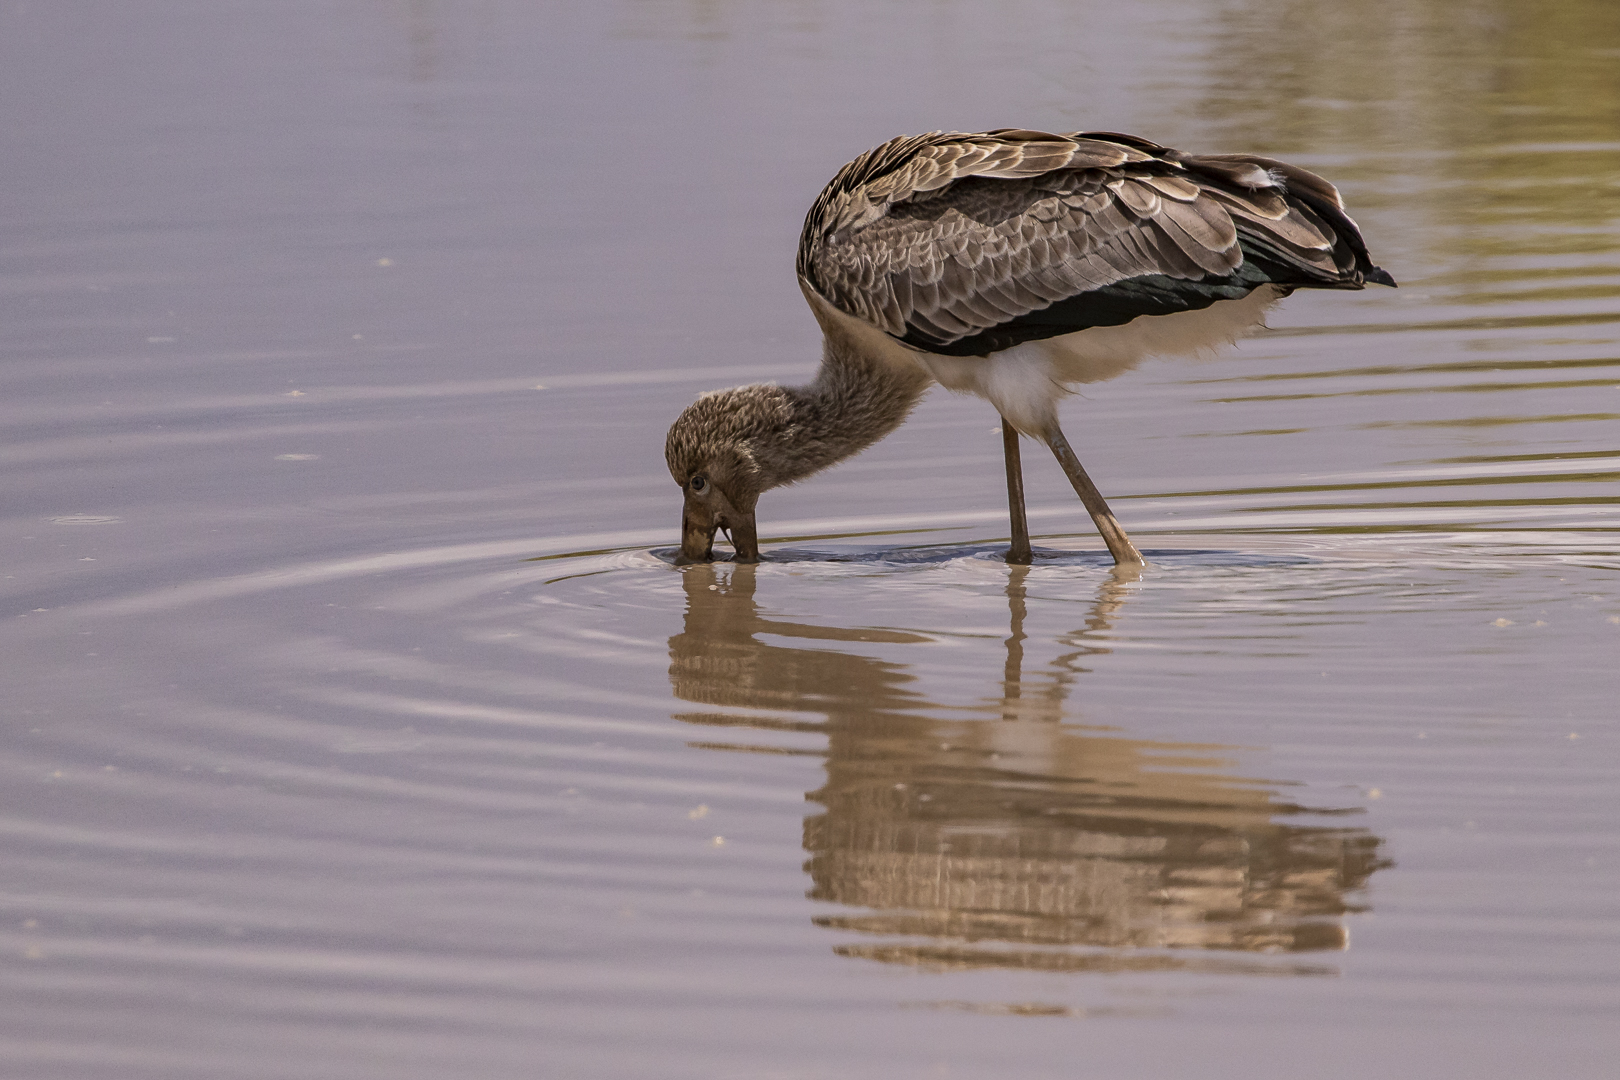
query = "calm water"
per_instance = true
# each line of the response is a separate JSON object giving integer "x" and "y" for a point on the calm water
{"x": 354, "y": 727}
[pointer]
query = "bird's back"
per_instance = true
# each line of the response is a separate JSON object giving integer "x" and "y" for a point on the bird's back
{"x": 964, "y": 245}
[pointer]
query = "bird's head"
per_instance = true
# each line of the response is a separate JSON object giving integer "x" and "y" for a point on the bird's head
{"x": 723, "y": 452}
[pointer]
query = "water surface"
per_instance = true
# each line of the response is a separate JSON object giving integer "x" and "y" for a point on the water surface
{"x": 358, "y": 726}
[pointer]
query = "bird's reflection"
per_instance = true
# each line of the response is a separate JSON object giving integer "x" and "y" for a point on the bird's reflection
{"x": 1005, "y": 837}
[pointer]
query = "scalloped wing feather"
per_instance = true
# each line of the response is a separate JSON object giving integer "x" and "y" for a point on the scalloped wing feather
{"x": 937, "y": 238}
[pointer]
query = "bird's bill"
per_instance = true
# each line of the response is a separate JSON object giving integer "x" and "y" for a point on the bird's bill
{"x": 699, "y": 523}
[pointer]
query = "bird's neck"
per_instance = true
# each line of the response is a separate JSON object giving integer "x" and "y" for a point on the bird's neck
{"x": 855, "y": 400}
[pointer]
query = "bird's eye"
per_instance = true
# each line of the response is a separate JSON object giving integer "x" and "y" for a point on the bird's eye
{"x": 698, "y": 484}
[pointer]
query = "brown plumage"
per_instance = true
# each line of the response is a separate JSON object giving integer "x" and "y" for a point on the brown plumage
{"x": 1009, "y": 264}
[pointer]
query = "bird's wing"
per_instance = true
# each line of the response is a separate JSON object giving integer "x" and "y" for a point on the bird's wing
{"x": 968, "y": 243}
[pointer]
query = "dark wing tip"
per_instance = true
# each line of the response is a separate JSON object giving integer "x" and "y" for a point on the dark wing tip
{"x": 1380, "y": 276}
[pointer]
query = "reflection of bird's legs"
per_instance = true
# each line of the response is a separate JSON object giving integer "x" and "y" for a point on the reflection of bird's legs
{"x": 1111, "y": 596}
{"x": 1018, "y": 553}
{"x": 1012, "y": 678}
{"x": 1119, "y": 544}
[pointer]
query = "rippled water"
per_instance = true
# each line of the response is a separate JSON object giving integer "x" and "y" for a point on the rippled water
{"x": 357, "y": 724}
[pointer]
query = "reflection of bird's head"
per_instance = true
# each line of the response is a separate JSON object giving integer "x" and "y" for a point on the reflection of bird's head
{"x": 724, "y": 450}
{"x": 729, "y": 653}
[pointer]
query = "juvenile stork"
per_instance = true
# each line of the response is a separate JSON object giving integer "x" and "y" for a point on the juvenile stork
{"x": 1010, "y": 264}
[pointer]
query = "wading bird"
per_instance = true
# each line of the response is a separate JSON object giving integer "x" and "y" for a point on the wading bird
{"x": 1009, "y": 264}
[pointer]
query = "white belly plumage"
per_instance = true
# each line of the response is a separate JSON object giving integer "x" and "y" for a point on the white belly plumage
{"x": 1026, "y": 381}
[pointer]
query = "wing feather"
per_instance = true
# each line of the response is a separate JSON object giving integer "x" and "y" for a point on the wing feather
{"x": 1211, "y": 228}
{"x": 946, "y": 241}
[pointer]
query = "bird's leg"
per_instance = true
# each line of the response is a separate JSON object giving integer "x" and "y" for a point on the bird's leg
{"x": 1119, "y": 545}
{"x": 1018, "y": 554}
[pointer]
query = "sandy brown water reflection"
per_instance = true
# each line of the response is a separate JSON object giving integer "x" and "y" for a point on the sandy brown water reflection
{"x": 1021, "y": 831}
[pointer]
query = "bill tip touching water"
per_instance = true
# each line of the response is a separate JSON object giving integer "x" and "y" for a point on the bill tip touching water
{"x": 1010, "y": 265}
